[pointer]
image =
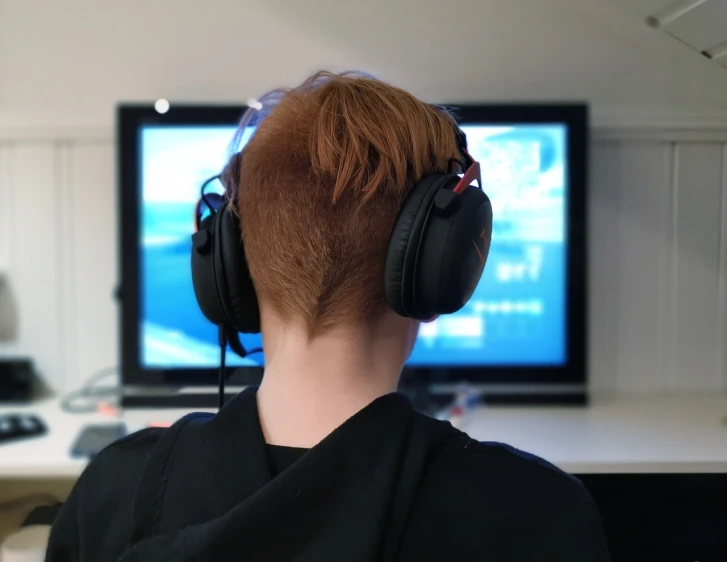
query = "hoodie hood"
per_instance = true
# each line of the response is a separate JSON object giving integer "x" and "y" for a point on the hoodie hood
{"x": 208, "y": 493}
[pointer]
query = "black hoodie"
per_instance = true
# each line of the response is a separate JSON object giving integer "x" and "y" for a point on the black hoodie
{"x": 389, "y": 484}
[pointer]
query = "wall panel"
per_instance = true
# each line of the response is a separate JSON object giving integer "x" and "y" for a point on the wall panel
{"x": 696, "y": 247}
{"x": 35, "y": 277}
{"x": 722, "y": 295}
{"x": 6, "y": 205}
{"x": 8, "y": 303}
{"x": 92, "y": 238}
{"x": 629, "y": 233}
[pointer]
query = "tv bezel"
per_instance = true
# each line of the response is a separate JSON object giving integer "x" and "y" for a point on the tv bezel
{"x": 131, "y": 117}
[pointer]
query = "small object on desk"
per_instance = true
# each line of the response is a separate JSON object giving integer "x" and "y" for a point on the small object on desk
{"x": 18, "y": 380}
{"x": 466, "y": 399}
{"x": 159, "y": 425}
{"x": 94, "y": 438}
{"x": 20, "y": 426}
{"x": 26, "y": 545}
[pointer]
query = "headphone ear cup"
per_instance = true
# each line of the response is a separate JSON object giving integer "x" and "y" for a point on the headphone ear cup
{"x": 453, "y": 254}
{"x": 403, "y": 252}
{"x": 203, "y": 271}
{"x": 235, "y": 287}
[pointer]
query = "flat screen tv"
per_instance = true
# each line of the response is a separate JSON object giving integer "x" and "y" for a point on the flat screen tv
{"x": 525, "y": 326}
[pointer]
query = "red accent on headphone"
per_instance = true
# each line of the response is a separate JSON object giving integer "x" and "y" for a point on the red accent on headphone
{"x": 471, "y": 174}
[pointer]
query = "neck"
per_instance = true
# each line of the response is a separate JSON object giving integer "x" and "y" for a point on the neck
{"x": 311, "y": 386}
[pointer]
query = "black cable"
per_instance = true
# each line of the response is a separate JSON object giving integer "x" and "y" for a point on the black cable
{"x": 236, "y": 345}
{"x": 221, "y": 376}
{"x": 211, "y": 207}
{"x": 229, "y": 337}
{"x": 247, "y": 354}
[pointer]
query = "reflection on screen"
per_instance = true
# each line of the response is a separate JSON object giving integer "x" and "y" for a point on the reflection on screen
{"x": 517, "y": 315}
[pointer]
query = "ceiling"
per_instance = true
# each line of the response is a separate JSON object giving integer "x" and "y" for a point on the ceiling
{"x": 700, "y": 24}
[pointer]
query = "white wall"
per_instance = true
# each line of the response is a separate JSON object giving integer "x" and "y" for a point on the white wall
{"x": 58, "y": 247}
{"x": 65, "y": 64}
{"x": 658, "y": 248}
{"x": 658, "y": 208}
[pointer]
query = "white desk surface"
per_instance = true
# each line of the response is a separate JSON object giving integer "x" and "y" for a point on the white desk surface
{"x": 685, "y": 434}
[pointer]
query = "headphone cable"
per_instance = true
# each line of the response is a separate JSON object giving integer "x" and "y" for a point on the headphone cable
{"x": 223, "y": 335}
{"x": 203, "y": 195}
{"x": 223, "y": 339}
{"x": 221, "y": 375}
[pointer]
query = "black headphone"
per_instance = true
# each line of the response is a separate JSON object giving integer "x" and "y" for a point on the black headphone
{"x": 436, "y": 255}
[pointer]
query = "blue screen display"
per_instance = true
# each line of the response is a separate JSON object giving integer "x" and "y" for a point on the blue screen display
{"x": 516, "y": 317}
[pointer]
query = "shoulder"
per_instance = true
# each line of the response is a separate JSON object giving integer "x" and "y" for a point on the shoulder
{"x": 477, "y": 457}
{"x": 115, "y": 471}
{"x": 499, "y": 493}
{"x": 463, "y": 462}
{"x": 498, "y": 470}
{"x": 120, "y": 466}
{"x": 95, "y": 520}
{"x": 127, "y": 453}
{"x": 138, "y": 444}
{"x": 523, "y": 473}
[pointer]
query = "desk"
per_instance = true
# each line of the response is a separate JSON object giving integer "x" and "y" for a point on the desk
{"x": 49, "y": 456}
{"x": 683, "y": 434}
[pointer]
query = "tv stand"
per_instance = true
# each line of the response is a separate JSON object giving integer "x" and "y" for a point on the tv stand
{"x": 426, "y": 397}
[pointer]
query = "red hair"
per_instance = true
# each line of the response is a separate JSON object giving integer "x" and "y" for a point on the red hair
{"x": 321, "y": 184}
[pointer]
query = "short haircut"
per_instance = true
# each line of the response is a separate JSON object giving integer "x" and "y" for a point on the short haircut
{"x": 321, "y": 184}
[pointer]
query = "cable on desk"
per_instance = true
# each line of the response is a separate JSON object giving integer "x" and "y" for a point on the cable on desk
{"x": 90, "y": 397}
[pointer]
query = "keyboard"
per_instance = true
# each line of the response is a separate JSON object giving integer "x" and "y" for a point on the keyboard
{"x": 14, "y": 427}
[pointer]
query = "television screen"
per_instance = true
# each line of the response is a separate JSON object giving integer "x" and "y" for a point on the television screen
{"x": 517, "y": 316}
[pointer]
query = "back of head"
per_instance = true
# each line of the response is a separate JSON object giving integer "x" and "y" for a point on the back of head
{"x": 323, "y": 180}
